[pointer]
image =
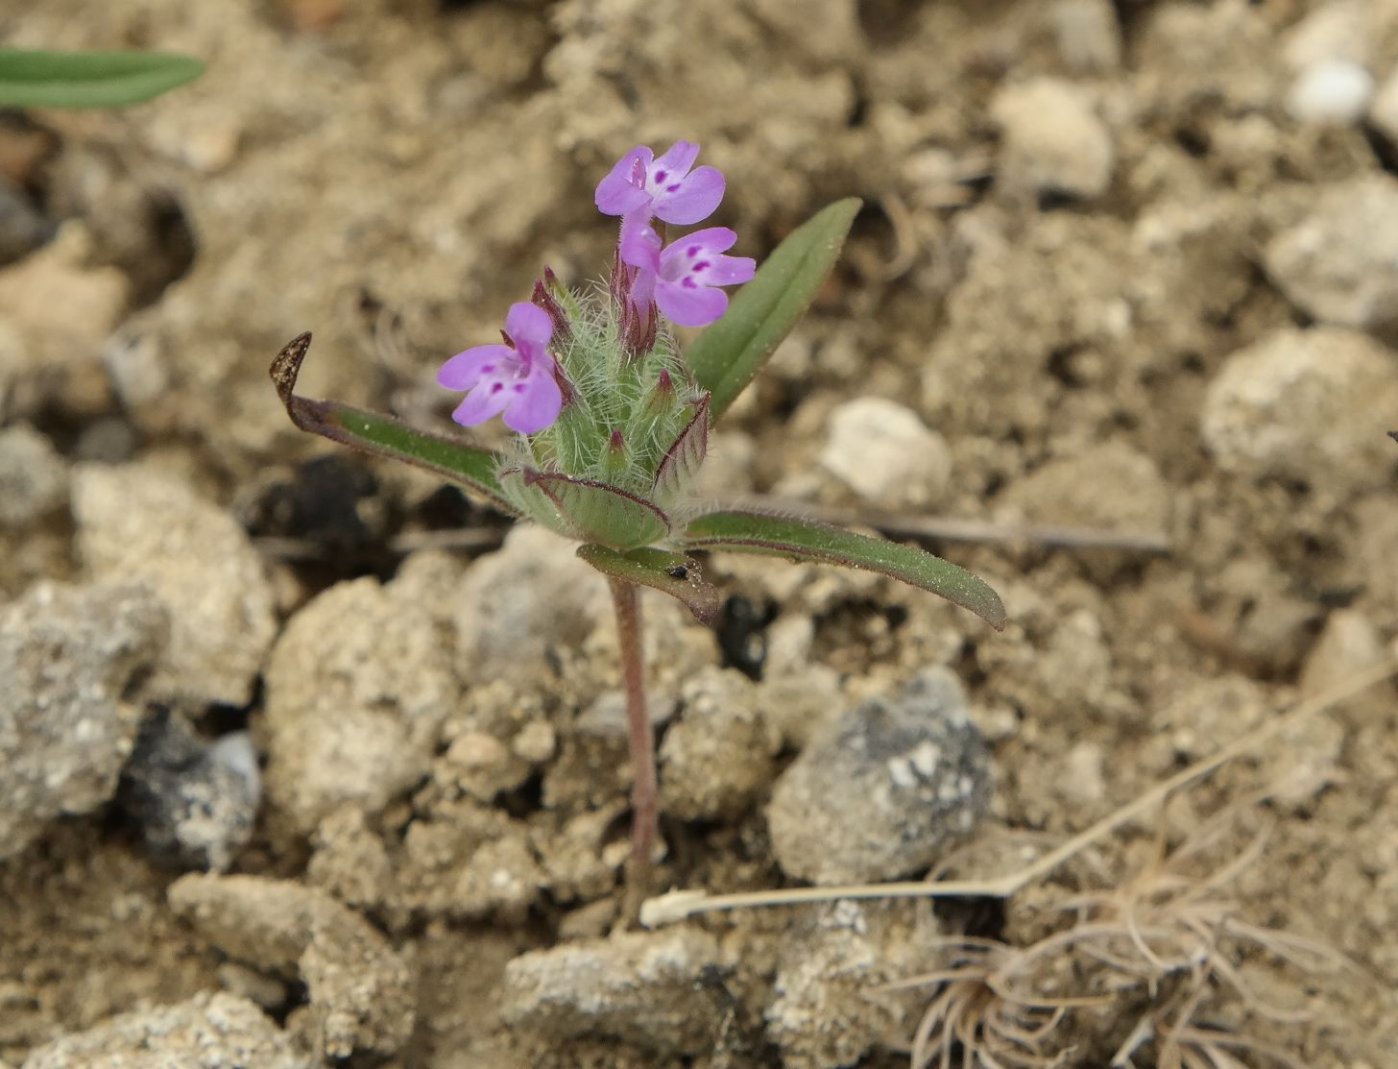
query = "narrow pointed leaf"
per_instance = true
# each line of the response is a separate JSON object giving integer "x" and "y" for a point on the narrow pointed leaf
{"x": 32, "y": 79}
{"x": 373, "y": 432}
{"x": 802, "y": 540}
{"x": 671, "y": 573}
{"x": 595, "y": 512}
{"x": 727, "y": 356}
{"x": 684, "y": 458}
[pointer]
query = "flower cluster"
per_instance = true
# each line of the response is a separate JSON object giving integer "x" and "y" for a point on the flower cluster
{"x": 613, "y": 421}
{"x": 541, "y": 369}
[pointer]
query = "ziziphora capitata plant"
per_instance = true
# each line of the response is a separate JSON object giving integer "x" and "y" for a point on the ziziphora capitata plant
{"x": 612, "y": 417}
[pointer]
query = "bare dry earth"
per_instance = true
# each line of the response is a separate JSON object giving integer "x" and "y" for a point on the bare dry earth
{"x": 1126, "y": 268}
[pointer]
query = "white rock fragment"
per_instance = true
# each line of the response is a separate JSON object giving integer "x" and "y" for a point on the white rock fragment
{"x": 1334, "y": 91}
{"x": 1337, "y": 264}
{"x": 1053, "y": 142}
{"x": 138, "y": 523}
{"x": 885, "y": 453}
{"x": 1306, "y": 405}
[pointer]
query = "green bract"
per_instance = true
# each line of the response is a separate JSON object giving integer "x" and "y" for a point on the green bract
{"x": 614, "y": 471}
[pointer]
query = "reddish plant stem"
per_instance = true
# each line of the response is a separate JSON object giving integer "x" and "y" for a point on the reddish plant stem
{"x": 645, "y": 804}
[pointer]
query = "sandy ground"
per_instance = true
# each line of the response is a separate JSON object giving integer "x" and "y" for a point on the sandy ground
{"x": 1126, "y": 269}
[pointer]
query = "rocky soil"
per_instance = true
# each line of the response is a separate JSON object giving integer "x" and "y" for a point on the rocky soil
{"x": 305, "y": 760}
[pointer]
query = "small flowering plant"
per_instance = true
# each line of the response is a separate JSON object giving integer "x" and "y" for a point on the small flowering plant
{"x": 612, "y": 420}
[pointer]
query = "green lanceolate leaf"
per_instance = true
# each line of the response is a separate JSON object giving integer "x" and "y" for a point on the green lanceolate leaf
{"x": 469, "y": 466}
{"x": 672, "y": 573}
{"x": 802, "y": 540}
{"x": 90, "y": 79}
{"x": 730, "y": 353}
{"x": 593, "y": 512}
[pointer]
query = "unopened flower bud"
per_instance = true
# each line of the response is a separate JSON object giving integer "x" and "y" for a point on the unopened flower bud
{"x": 543, "y": 297}
{"x": 616, "y": 459}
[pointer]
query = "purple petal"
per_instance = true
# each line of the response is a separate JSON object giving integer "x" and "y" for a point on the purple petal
{"x": 696, "y": 197}
{"x": 534, "y": 403}
{"x": 690, "y": 305}
{"x": 731, "y": 270}
{"x": 699, "y": 257}
{"x": 529, "y": 326}
{"x": 484, "y": 402}
{"x": 465, "y": 369}
{"x": 640, "y": 247}
{"x": 675, "y": 163}
{"x": 712, "y": 238}
{"x": 618, "y": 193}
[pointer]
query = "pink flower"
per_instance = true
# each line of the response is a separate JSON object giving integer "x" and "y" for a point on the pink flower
{"x": 683, "y": 278}
{"x": 641, "y": 186}
{"x": 518, "y": 378}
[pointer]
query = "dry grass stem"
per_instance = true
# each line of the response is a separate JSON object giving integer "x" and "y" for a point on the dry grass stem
{"x": 677, "y": 905}
{"x": 1167, "y": 933}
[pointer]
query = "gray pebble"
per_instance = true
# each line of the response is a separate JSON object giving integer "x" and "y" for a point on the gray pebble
{"x": 23, "y": 228}
{"x": 33, "y": 477}
{"x": 515, "y": 604}
{"x": 1109, "y": 485}
{"x": 209, "y": 1031}
{"x": 641, "y": 988}
{"x": 832, "y": 1004}
{"x": 195, "y": 803}
{"x": 360, "y": 991}
{"x": 67, "y": 655}
{"x": 719, "y": 757}
{"x": 883, "y": 793}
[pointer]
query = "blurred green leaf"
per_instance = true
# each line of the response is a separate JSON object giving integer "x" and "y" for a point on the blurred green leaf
{"x": 373, "y": 432}
{"x": 802, "y": 540}
{"x": 671, "y": 573}
{"x": 729, "y": 354}
{"x": 32, "y": 79}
